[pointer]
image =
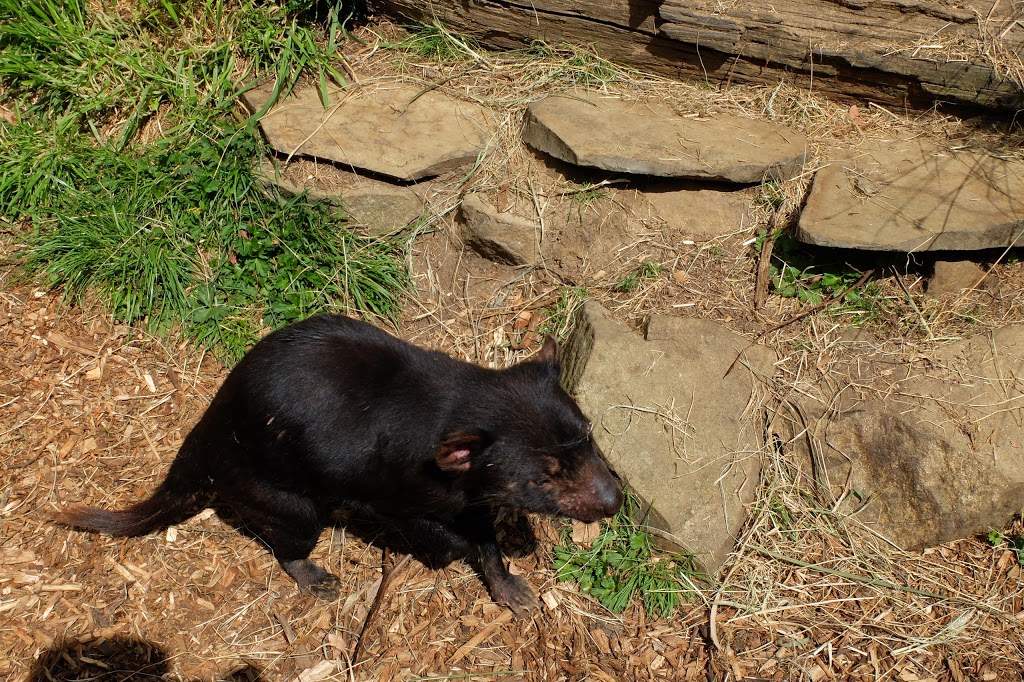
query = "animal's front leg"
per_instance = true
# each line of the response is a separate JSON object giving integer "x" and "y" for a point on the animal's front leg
{"x": 508, "y": 589}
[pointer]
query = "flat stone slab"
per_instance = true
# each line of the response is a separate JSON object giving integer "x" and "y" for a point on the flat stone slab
{"x": 396, "y": 130}
{"x": 914, "y": 196}
{"x": 377, "y": 207}
{"x": 651, "y": 139}
{"x": 672, "y": 424}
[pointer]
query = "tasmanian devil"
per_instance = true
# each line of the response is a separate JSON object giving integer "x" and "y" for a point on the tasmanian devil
{"x": 332, "y": 412}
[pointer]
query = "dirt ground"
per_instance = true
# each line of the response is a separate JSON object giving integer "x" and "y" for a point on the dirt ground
{"x": 93, "y": 411}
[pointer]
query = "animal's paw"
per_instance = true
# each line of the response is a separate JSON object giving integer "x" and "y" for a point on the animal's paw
{"x": 327, "y": 587}
{"x": 515, "y": 592}
{"x": 313, "y": 579}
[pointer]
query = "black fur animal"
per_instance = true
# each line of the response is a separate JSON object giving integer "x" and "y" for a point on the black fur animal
{"x": 332, "y": 411}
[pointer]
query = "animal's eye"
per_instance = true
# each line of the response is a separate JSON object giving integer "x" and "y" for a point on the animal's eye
{"x": 548, "y": 469}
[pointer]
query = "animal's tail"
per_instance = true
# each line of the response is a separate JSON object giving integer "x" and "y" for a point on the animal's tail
{"x": 181, "y": 495}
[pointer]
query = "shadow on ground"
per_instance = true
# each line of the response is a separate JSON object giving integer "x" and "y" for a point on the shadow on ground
{"x": 118, "y": 659}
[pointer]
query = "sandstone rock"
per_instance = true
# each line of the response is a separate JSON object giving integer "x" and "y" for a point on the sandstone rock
{"x": 651, "y": 139}
{"x": 382, "y": 209}
{"x": 683, "y": 437}
{"x": 396, "y": 130}
{"x": 700, "y": 213}
{"x": 954, "y": 276}
{"x": 938, "y": 453}
{"x": 501, "y": 237}
{"x": 912, "y": 196}
{"x": 378, "y": 207}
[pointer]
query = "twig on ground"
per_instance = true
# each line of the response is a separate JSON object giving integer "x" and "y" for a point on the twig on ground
{"x": 385, "y": 582}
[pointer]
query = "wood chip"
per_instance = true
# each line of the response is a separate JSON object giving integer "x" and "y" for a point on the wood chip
{"x": 286, "y": 627}
{"x": 66, "y": 342}
{"x": 584, "y": 534}
{"x": 320, "y": 671}
{"x": 463, "y": 650}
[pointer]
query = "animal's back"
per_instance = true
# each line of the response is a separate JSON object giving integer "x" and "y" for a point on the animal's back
{"x": 332, "y": 404}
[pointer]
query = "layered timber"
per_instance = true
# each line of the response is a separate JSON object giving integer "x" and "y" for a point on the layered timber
{"x": 903, "y": 53}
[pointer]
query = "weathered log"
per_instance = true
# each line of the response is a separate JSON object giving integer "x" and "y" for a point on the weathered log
{"x": 914, "y": 53}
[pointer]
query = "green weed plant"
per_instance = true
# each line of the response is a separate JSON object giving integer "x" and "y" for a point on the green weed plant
{"x": 795, "y": 273}
{"x": 622, "y": 565}
{"x": 1014, "y": 543}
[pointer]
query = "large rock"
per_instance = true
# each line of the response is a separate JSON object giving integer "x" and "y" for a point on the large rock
{"x": 371, "y": 206}
{"x": 672, "y": 424}
{"x": 501, "y": 237}
{"x": 934, "y": 452}
{"x": 913, "y": 196}
{"x": 396, "y": 130}
{"x": 649, "y": 138}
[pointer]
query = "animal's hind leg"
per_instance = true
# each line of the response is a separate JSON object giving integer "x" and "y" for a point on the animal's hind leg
{"x": 290, "y": 526}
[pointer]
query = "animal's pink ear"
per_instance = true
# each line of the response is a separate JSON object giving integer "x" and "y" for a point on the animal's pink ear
{"x": 549, "y": 351}
{"x": 455, "y": 453}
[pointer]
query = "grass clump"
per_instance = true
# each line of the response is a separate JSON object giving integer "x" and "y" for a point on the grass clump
{"x": 578, "y": 66}
{"x": 622, "y": 564}
{"x": 274, "y": 40}
{"x": 558, "y": 317}
{"x": 647, "y": 270}
{"x": 57, "y": 60}
{"x": 177, "y": 231}
{"x": 436, "y": 42}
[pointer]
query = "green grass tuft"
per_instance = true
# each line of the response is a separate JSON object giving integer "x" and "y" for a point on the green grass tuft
{"x": 557, "y": 318}
{"x": 435, "y": 41}
{"x": 275, "y": 41}
{"x": 579, "y": 66}
{"x": 647, "y": 270}
{"x": 178, "y": 231}
{"x": 622, "y": 564}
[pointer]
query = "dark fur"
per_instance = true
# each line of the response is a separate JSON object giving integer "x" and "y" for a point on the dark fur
{"x": 332, "y": 411}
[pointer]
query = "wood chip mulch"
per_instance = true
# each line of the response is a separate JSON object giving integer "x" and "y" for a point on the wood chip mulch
{"x": 94, "y": 411}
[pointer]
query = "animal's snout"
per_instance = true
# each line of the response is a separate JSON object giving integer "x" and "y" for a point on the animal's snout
{"x": 609, "y": 496}
{"x": 594, "y": 496}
